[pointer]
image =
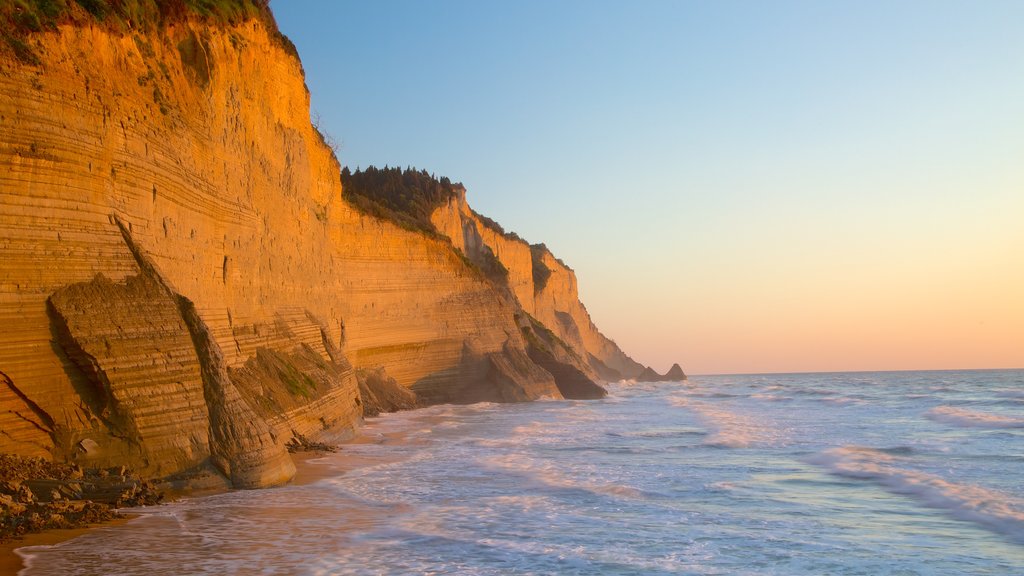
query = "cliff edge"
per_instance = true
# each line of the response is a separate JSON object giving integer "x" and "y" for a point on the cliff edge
{"x": 184, "y": 288}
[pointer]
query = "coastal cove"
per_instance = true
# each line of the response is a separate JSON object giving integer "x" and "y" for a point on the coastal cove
{"x": 726, "y": 474}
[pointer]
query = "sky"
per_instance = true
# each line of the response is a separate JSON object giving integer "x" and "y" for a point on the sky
{"x": 740, "y": 186}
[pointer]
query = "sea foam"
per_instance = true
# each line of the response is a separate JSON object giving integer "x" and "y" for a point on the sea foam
{"x": 992, "y": 509}
{"x": 727, "y": 429}
{"x": 972, "y": 419}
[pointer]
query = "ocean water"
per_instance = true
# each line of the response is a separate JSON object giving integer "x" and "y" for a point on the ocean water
{"x": 857, "y": 473}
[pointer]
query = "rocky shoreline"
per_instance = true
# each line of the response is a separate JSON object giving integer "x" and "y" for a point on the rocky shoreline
{"x": 98, "y": 487}
{"x": 36, "y": 495}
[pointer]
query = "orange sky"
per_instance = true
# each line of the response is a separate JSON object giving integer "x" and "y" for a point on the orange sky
{"x": 933, "y": 292}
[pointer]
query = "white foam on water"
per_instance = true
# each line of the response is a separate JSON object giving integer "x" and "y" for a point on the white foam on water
{"x": 972, "y": 419}
{"x": 552, "y": 488}
{"x": 551, "y": 475}
{"x": 770, "y": 397}
{"x": 841, "y": 401}
{"x": 992, "y": 509}
{"x": 728, "y": 429}
{"x": 543, "y": 553}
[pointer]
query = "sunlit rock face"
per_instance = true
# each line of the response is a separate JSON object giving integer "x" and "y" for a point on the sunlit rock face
{"x": 182, "y": 285}
{"x": 543, "y": 286}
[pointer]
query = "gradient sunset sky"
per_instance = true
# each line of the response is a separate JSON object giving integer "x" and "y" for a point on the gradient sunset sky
{"x": 740, "y": 186}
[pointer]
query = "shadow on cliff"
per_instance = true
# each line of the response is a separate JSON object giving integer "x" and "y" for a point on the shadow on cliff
{"x": 99, "y": 423}
{"x": 507, "y": 375}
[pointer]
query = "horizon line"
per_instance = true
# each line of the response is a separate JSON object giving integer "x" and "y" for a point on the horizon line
{"x": 859, "y": 371}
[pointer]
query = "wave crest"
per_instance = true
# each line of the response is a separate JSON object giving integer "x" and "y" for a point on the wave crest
{"x": 992, "y": 509}
{"x": 972, "y": 419}
{"x": 727, "y": 429}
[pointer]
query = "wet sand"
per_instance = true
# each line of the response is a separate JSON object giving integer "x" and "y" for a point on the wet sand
{"x": 310, "y": 467}
{"x": 10, "y": 561}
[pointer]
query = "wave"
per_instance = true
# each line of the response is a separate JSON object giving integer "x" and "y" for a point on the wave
{"x": 549, "y": 476}
{"x": 512, "y": 550}
{"x": 991, "y": 509}
{"x": 714, "y": 395}
{"x": 728, "y": 429}
{"x": 771, "y": 397}
{"x": 842, "y": 401}
{"x": 1010, "y": 394}
{"x": 813, "y": 391}
{"x": 972, "y": 419}
{"x": 657, "y": 433}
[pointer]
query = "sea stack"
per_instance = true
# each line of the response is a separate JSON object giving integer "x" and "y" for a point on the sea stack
{"x": 674, "y": 374}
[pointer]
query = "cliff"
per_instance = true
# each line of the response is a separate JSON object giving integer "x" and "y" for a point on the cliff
{"x": 543, "y": 286}
{"x": 183, "y": 286}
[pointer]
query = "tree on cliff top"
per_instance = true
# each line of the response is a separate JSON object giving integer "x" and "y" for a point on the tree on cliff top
{"x": 404, "y": 197}
{"x": 407, "y": 198}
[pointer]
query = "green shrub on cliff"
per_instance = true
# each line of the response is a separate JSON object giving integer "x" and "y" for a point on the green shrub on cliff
{"x": 404, "y": 197}
{"x": 407, "y": 198}
{"x": 21, "y": 18}
{"x": 35, "y": 15}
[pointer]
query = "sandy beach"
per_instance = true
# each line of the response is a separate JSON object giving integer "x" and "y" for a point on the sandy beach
{"x": 311, "y": 466}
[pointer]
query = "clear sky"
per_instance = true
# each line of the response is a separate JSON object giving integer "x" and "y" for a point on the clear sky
{"x": 740, "y": 186}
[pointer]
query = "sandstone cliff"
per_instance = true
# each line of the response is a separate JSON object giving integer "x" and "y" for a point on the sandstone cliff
{"x": 543, "y": 285}
{"x": 182, "y": 285}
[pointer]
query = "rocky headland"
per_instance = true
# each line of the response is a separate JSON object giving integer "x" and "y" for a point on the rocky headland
{"x": 188, "y": 290}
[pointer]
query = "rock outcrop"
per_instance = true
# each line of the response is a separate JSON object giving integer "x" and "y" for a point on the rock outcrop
{"x": 674, "y": 374}
{"x": 379, "y": 393}
{"x": 183, "y": 286}
{"x": 37, "y": 495}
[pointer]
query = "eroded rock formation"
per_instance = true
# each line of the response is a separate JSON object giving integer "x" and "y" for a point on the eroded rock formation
{"x": 544, "y": 287}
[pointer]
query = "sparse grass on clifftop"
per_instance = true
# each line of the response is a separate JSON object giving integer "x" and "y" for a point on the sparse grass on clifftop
{"x": 19, "y": 19}
{"x": 497, "y": 228}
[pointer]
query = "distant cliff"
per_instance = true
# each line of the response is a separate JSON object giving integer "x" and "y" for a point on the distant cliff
{"x": 184, "y": 287}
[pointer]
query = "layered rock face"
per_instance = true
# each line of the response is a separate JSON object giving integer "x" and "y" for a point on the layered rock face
{"x": 182, "y": 285}
{"x": 544, "y": 287}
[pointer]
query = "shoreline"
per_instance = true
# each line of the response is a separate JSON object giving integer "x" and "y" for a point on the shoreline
{"x": 310, "y": 467}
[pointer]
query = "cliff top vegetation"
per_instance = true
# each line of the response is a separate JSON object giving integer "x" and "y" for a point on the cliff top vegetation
{"x": 491, "y": 224}
{"x": 21, "y": 18}
{"x": 406, "y": 197}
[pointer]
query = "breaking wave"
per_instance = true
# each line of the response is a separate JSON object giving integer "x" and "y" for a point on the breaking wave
{"x": 551, "y": 475}
{"x": 994, "y": 510}
{"x": 728, "y": 429}
{"x": 972, "y": 419}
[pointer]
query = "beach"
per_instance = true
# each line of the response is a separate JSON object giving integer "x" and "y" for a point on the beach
{"x": 310, "y": 467}
{"x": 836, "y": 473}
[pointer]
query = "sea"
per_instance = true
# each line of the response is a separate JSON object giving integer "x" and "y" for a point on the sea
{"x": 843, "y": 473}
